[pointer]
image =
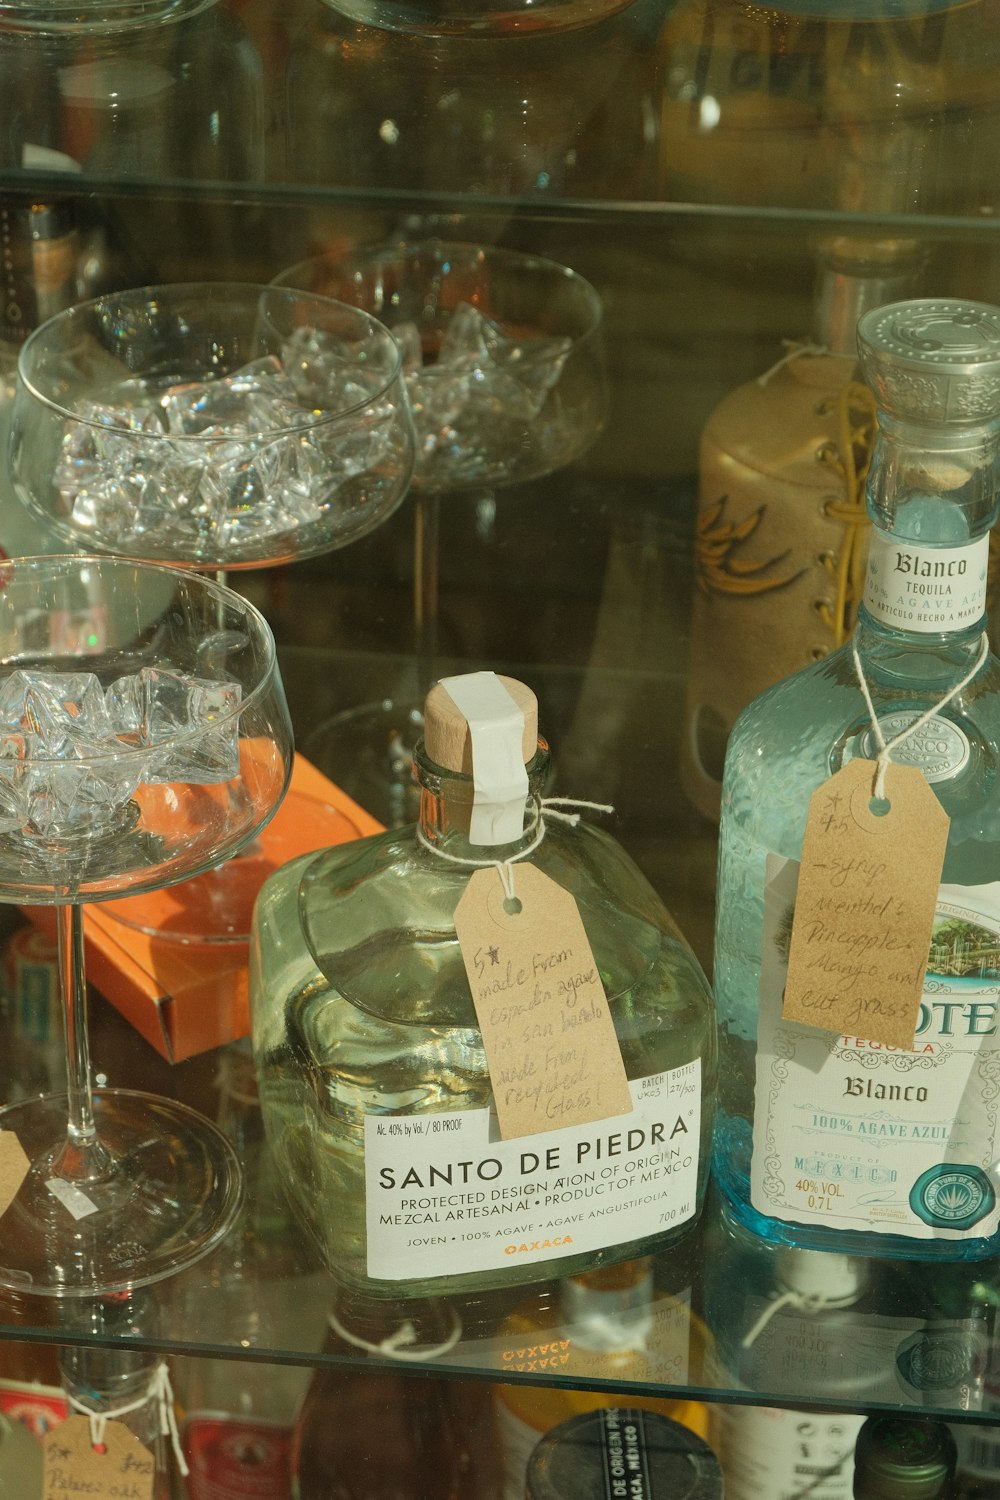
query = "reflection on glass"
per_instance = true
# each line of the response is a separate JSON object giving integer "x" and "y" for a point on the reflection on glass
{"x": 178, "y": 100}
{"x": 572, "y": 116}
{"x": 878, "y": 109}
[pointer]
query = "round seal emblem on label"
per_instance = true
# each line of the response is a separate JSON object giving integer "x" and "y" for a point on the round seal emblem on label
{"x": 938, "y": 748}
{"x": 952, "y": 1196}
{"x": 937, "y": 1362}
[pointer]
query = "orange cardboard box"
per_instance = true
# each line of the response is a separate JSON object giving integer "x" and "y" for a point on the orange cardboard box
{"x": 174, "y": 962}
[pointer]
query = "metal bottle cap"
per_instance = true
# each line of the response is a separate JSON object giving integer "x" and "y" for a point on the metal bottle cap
{"x": 903, "y": 1458}
{"x": 934, "y": 359}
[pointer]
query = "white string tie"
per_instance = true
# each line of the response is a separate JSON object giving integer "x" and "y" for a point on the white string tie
{"x": 797, "y": 348}
{"x": 885, "y": 749}
{"x": 808, "y": 1302}
{"x": 542, "y": 808}
{"x": 161, "y": 1391}
{"x": 397, "y": 1344}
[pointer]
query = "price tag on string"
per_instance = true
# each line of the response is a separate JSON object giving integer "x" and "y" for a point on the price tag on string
{"x": 865, "y": 904}
{"x": 119, "y": 1468}
{"x": 14, "y": 1168}
{"x": 550, "y": 1040}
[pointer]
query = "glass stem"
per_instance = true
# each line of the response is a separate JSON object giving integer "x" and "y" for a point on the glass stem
{"x": 82, "y": 1157}
{"x": 426, "y": 551}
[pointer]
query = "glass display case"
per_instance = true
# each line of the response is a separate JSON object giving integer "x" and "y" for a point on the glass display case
{"x": 737, "y": 183}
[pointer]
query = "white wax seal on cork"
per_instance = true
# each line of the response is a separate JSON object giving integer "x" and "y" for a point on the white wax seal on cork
{"x": 486, "y": 726}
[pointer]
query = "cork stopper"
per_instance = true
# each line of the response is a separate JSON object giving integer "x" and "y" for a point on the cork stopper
{"x": 447, "y": 740}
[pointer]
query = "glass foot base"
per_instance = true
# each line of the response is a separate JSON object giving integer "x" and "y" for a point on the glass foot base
{"x": 368, "y": 751}
{"x": 173, "y": 1192}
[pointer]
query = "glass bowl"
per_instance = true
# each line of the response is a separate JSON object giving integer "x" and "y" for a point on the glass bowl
{"x": 215, "y": 425}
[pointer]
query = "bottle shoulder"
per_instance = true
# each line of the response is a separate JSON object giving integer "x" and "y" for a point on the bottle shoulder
{"x": 377, "y": 919}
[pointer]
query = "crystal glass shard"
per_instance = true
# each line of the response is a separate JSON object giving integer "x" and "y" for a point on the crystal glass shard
{"x": 268, "y": 457}
{"x": 156, "y": 706}
{"x": 523, "y": 370}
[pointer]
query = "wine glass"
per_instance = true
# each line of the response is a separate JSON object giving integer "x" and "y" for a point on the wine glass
{"x": 213, "y": 424}
{"x": 144, "y": 736}
{"x": 503, "y": 362}
{"x": 217, "y": 426}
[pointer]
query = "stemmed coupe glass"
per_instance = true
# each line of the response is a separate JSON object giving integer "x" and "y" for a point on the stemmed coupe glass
{"x": 144, "y": 737}
{"x": 216, "y": 426}
{"x": 503, "y": 363}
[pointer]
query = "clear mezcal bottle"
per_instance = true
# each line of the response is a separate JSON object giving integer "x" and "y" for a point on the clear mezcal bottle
{"x": 828, "y": 1140}
{"x": 374, "y": 1081}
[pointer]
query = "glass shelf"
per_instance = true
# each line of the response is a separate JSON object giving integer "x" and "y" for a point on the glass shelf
{"x": 671, "y": 108}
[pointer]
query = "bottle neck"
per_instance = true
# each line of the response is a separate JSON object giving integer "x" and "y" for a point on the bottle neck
{"x": 932, "y": 498}
{"x": 447, "y": 799}
{"x": 854, "y": 277}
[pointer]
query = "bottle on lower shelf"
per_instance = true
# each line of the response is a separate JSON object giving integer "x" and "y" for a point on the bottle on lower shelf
{"x": 792, "y": 1328}
{"x": 237, "y": 1416}
{"x": 623, "y": 1452}
{"x": 904, "y": 1458}
{"x": 603, "y": 1326}
{"x": 400, "y": 1431}
{"x": 126, "y": 1385}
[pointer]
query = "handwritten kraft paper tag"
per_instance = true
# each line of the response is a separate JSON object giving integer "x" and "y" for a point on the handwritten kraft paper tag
{"x": 549, "y": 1038}
{"x": 14, "y": 1168}
{"x": 865, "y": 905}
{"x": 73, "y": 1466}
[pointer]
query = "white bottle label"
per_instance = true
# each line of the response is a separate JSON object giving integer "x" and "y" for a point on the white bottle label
{"x": 769, "y": 1454}
{"x": 926, "y": 589}
{"x": 850, "y": 1134}
{"x": 517, "y": 1441}
{"x": 445, "y": 1195}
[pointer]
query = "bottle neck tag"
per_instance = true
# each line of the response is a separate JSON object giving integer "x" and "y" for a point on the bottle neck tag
{"x": 499, "y": 778}
{"x": 865, "y": 904}
{"x": 73, "y": 1466}
{"x": 14, "y": 1168}
{"x": 926, "y": 590}
{"x": 549, "y": 1037}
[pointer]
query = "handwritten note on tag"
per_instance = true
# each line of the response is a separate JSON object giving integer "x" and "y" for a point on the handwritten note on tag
{"x": 550, "y": 1040}
{"x": 14, "y": 1168}
{"x": 73, "y": 1466}
{"x": 864, "y": 910}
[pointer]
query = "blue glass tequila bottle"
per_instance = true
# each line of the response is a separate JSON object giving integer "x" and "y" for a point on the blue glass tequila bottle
{"x": 826, "y": 1140}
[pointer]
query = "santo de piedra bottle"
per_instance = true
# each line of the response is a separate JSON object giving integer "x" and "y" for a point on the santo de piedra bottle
{"x": 825, "y": 1137}
{"x": 485, "y": 1053}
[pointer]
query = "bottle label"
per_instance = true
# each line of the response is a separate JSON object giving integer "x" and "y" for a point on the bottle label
{"x": 850, "y": 1134}
{"x": 232, "y": 1459}
{"x": 930, "y": 590}
{"x": 516, "y": 1440}
{"x": 771, "y": 1454}
{"x": 445, "y": 1195}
